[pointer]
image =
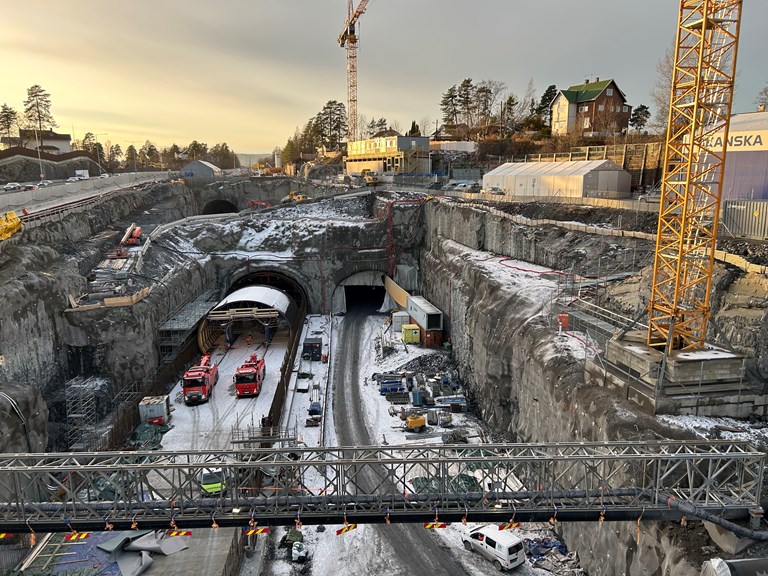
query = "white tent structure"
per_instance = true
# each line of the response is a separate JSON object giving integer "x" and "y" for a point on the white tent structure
{"x": 576, "y": 179}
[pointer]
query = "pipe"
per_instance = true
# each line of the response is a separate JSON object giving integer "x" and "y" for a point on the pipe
{"x": 743, "y": 531}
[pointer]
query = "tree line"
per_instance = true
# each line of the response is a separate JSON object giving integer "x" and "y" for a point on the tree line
{"x": 36, "y": 116}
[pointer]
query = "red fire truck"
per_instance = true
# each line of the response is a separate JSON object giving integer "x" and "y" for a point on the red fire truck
{"x": 249, "y": 376}
{"x": 199, "y": 380}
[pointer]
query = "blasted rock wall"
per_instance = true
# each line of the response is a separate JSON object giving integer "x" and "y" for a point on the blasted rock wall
{"x": 39, "y": 269}
{"x": 30, "y": 435}
{"x": 529, "y": 385}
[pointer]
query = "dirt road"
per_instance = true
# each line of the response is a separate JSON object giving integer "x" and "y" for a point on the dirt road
{"x": 417, "y": 551}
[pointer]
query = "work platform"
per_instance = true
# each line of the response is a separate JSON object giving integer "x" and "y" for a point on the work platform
{"x": 175, "y": 331}
{"x": 706, "y": 382}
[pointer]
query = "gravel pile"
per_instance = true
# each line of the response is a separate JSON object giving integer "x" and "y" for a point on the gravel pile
{"x": 439, "y": 361}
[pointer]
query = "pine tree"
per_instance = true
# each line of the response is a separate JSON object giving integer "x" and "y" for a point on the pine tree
{"x": 37, "y": 108}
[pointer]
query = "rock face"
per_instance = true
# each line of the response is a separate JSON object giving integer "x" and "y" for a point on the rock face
{"x": 23, "y": 419}
{"x": 38, "y": 271}
{"x": 528, "y": 383}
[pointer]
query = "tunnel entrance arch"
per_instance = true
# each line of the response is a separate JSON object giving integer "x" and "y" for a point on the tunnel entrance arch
{"x": 362, "y": 290}
{"x": 245, "y": 312}
{"x": 275, "y": 279}
{"x": 220, "y": 207}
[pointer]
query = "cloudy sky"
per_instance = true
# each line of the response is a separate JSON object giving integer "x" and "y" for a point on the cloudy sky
{"x": 248, "y": 72}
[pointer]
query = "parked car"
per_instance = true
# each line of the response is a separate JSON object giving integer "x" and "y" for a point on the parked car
{"x": 105, "y": 175}
{"x": 29, "y": 187}
{"x": 74, "y": 179}
{"x": 212, "y": 482}
{"x": 435, "y": 186}
{"x": 502, "y": 548}
{"x": 12, "y": 186}
{"x": 494, "y": 190}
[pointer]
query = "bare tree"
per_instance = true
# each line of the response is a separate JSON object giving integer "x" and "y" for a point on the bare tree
{"x": 395, "y": 125}
{"x": 762, "y": 98}
{"x": 662, "y": 90}
{"x": 427, "y": 125}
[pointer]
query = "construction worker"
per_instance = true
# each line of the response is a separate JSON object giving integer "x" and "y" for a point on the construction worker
{"x": 248, "y": 340}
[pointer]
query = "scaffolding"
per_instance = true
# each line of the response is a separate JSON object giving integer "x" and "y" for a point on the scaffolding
{"x": 80, "y": 399}
{"x": 175, "y": 331}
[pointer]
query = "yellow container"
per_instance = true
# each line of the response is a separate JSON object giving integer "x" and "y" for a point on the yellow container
{"x": 411, "y": 333}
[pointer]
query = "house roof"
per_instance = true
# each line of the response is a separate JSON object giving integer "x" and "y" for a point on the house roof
{"x": 204, "y": 163}
{"x": 46, "y": 135}
{"x": 569, "y": 168}
{"x": 589, "y": 91}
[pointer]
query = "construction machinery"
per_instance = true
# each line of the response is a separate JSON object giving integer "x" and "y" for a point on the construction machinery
{"x": 370, "y": 177}
{"x": 131, "y": 237}
{"x": 198, "y": 382}
{"x": 348, "y": 39}
{"x": 249, "y": 376}
{"x": 700, "y": 109}
{"x": 672, "y": 355}
{"x": 9, "y": 225}
{"x": 416, "y": 422}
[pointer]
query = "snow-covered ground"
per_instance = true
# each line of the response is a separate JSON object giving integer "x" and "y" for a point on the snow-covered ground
{"x": 358, "y": 550}
{"x": 208, "y": 426}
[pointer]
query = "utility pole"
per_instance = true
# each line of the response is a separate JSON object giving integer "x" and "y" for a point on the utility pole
{"x": 98, "y": 153}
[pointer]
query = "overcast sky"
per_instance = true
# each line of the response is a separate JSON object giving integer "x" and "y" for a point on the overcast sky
{"x": 248, "y": 72}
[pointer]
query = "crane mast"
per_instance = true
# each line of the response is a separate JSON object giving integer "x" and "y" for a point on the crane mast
{"x": 348, "y": 40}
{"x": 697, "y": 134}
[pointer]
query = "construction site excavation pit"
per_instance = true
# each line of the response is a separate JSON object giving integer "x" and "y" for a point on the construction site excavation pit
{"x": 498, "y": 280}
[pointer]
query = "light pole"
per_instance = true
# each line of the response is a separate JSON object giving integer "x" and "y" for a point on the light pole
{"x": 98, "y": 153}
{"x": 39, "y": 159}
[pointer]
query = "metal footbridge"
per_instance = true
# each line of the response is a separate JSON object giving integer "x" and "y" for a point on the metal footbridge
{"x": 394, "y": 484}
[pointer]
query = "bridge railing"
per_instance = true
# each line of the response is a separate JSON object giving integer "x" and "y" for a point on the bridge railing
{"x": 577, "y": 481}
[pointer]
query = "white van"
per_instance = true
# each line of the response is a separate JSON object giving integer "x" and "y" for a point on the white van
{"x": 501, "y": 547}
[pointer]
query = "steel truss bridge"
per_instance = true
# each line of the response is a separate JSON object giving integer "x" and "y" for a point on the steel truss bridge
{"x": 397, "y": 484}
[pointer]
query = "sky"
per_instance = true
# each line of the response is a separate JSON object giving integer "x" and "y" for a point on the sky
{"x": 249, "y": 72}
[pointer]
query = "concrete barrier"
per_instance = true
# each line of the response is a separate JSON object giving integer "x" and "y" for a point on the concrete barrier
{"x": 72, "y": 190}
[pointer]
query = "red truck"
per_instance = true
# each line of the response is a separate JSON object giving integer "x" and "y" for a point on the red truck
{"x": 249, "y": 376}
{"x": 199, "y": 380}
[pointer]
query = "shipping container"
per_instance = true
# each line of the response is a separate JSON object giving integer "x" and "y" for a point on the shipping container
{"x": 432, "y": 338}
{"x": 424, "y": 313}
{"x": 398, "y": 319}
{"x": 745, "y": 219}
{"x": 410, "y": 334}
{"x": 155, "y": 410}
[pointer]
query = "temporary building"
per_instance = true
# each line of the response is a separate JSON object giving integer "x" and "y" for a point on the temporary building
{"x": 575, "y": 179}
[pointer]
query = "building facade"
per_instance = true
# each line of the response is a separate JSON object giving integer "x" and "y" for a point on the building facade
{"x": 592, "y": 109}
{"x": 389, "y": 155}
{"x": 200, "y": 169}
{"x": 50, "y": 141}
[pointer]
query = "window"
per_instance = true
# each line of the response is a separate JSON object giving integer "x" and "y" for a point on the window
{"x": 586, "y": 125}
{"x": 625, "y": 108}
{"x": 490, "y": 542}
{"x": 609, "y": 92}
{"x": 601, "y": 108}
{"x": 585, "y": 109}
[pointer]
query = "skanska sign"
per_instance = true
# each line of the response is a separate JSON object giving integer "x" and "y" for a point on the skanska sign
{"x": 741, "y": 141}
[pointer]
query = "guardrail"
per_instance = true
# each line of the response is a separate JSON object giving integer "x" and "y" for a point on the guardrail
{"x": 32, "y": 199}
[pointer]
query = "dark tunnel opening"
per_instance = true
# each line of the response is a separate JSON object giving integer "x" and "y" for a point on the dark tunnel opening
{"x": 219, "y": 207}
{"x": 365, "y": 299}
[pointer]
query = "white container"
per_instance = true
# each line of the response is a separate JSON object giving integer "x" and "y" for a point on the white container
{"x": 155, "y": 410}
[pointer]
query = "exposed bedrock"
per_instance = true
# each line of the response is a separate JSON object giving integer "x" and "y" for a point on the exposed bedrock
{"x": 530, "y": 386}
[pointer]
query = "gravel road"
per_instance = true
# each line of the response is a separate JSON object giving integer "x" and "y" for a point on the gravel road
{"x": 418, "y": 551}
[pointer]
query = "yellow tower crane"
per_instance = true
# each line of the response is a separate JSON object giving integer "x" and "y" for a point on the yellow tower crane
{"x": 697, "y": 134}
{"x": 348, "y": 40}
